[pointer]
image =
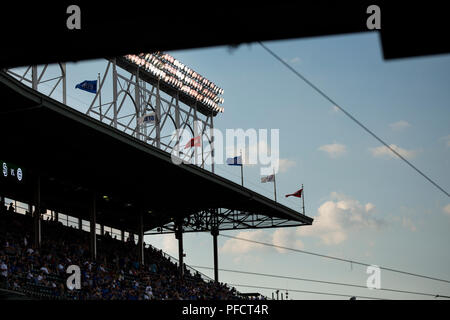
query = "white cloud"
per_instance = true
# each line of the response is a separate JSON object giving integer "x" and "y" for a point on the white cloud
{"x": 295, "y": 60}
{"x": 447, "y": 140}
{"x": 283, "y": 237}
{"x": 285, "y": 164}
{"x": 166, "y": 243}
{"x": 235, "y": 246}
{"x": 286, "y": 237}
{"x": 399, "y": 125}
{"x": 334, "y": 150}
{"x": 446, "y": 209}
{"x": 337, "y": 219}
{"x": 369, "y": 207}
{"x": 408, "y": 224}
{"x": 383, "y": 152}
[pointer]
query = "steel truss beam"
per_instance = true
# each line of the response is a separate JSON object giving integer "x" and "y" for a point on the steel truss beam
{"x": 36, "y": 78}
{"x": 130, "y": 99}
{"x": 133, "y": 98}
{"x": 204, "y": 221}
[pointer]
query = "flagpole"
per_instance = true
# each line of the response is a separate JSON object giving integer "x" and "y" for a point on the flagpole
{"x": 274, "y": 185}
{"x": 303, "y": 199}
{"x": 242, "y": 170}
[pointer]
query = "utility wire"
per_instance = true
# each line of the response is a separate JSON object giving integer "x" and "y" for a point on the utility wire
{"x": 350, "y": 116}
{"x": 304, "y": 291}
{"x": 336, "y": 258}
{"x": 322, "y": 281}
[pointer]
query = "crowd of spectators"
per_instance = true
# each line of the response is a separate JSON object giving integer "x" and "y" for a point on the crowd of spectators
{"x": 114, "y": 274}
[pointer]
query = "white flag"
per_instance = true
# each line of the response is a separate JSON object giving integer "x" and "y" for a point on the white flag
{"x": 270, "y": 178}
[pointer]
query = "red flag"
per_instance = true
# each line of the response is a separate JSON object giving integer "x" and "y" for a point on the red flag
{"x": 194, "y": 142}
{"x": 297, "y": 194}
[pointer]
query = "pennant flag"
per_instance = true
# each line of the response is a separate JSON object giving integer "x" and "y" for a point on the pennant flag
{"x": 270, "y": 178}
{"x": 88, "y": 85}
{"x": 297, "y": 194}
{"x": 194, "y": 142}
{"x": 148, "y": 118}
{"x": 236, "y": 161}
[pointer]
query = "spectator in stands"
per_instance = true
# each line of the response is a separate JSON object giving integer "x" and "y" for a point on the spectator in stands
{"x": 116, "y": 274}
{"x": 3, "y": 273}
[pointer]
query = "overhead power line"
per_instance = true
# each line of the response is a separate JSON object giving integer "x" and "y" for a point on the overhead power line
{"x": 338, "y": 259}
{"x": 350, "y": 116}
{"x": 323, "y": 282}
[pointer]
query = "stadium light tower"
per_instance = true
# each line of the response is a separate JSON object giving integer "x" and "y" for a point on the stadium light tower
{"x": 179, "y": 97}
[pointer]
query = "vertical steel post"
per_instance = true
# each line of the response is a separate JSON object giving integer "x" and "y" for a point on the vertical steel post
{"x": 93, "y": 224}
{"x": 274, "y": 186}
{"x": 215, "y": 233}
{"x": 158, "y": 115}
{"x": 303, "y": 199}
{"x": 100, "y": 98}
{"x": 141, "y": 239}
{"x": 138, "y": 105}
{"x": 179, "y": 236}
{"x": 64, "y": 84}
{"x": 212, "y": 143}
{"x": 34, "y": 79}
{"x": 115, "y": 79}
{"x": 37, "y": 214}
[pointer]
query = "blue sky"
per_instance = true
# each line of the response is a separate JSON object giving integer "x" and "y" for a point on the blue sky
{"x": 368, "y": 206}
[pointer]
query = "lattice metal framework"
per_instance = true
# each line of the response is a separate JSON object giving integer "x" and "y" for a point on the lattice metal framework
{"x": 133, "y": 98}
{"x": 223, "y": 220}
{"x": 36, "y": 76}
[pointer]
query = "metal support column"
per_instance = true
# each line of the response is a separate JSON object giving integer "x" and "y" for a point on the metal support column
{"x": 93, "y": 234}
{"x": 137, "y": 101}
{"x": 114, "y": 94}
{"x": 215, "y": 233}
{"x": 64, "y": 84}
{"x": 37, "y": 214}
{"x": 179, "y": 236}
{"x": 34, "y": 77}
{"x": 212, "y": 143}
{"x": 141, "y": 240}
{"x": 158, "y": 116}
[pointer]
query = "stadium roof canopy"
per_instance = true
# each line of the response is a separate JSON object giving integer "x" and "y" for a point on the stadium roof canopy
{"x": 76, "y": 155}
{"x": 149, "y": 26}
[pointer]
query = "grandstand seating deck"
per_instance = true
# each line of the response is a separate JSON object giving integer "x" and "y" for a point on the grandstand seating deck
{"x": 116, "y": 273}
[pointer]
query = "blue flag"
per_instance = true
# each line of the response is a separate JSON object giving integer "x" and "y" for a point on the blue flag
{"x": 236, "y": 161}
{"x": 88, "y": 85}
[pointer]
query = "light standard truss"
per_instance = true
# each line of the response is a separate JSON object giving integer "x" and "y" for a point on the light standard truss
{"x": 129, "y": 98}
{"x": 36, "y": 76}
{"x": 133, "y": 98}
